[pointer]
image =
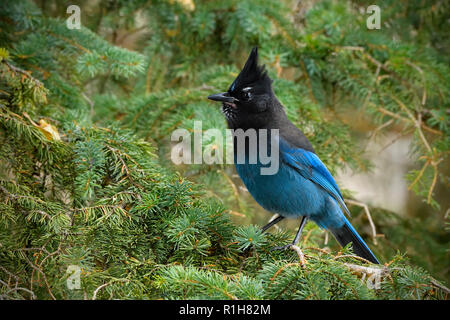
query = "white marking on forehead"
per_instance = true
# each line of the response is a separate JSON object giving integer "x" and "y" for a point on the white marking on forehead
{"x": 247, "y": 89}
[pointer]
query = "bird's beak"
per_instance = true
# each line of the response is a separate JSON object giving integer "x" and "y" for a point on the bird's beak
{"x": 223, "y": 97}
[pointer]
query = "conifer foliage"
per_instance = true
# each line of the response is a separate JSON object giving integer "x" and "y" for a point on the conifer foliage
{"x": 85, "y": 122}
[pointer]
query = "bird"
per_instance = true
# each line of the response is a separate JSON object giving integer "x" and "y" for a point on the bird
{"x": 302, "y": 187}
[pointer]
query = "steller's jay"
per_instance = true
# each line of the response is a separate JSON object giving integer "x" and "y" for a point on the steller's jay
{"x": 302, "y": 186}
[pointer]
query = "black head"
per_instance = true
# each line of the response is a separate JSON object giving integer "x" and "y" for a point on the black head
{"x": 250, "y": 96}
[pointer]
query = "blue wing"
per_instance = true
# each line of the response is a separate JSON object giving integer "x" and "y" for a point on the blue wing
{"x": 311, "y": 167}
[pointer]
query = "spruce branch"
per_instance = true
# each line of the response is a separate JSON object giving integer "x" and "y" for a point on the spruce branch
{"x": 26, "y": 74}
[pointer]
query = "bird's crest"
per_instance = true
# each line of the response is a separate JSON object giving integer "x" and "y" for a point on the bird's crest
{"x": 252, "y": 74}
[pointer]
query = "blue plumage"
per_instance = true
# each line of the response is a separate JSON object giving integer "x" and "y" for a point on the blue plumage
{"x": 301, "y": 187}
{"x": 311, "y": 167}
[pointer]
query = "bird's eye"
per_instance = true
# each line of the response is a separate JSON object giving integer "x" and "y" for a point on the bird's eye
{"x": 247, "y": 95}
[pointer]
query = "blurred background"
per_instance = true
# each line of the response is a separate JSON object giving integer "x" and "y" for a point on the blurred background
{"x": 374, "y": 102}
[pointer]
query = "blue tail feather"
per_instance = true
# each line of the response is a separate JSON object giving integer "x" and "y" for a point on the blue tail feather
{"x": 346, "y": 234}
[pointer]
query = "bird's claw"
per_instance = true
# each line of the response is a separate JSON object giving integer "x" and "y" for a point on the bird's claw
{"x": 294, "y": 247}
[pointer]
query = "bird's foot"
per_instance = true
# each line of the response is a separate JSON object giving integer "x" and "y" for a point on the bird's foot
{"x": 297, "y": 249}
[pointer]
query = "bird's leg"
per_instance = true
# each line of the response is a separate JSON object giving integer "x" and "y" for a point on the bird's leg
{"x": 297, "y": 236}
{"x": 271, "y": 223}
